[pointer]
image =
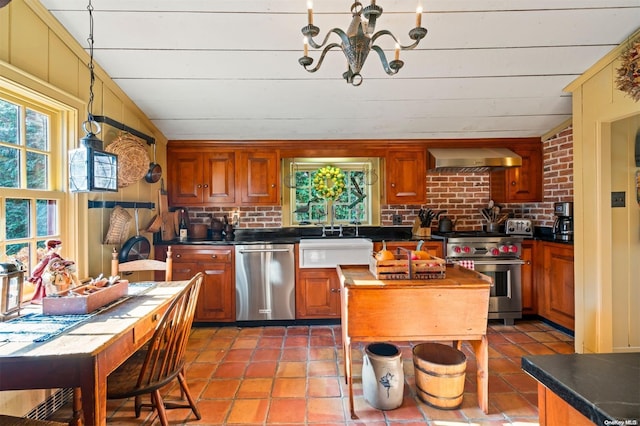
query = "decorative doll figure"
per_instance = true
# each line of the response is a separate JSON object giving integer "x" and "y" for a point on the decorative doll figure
{"x": 42, "y": 270}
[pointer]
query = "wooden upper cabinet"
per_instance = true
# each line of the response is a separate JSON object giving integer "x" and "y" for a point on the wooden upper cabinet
{"x": 519, "y": 184}
{"x": 222, "y": 177}
{"x": 197, "y": 177}
{"x": 406, "y": 177}
{"x": 258, "y": 177}
{"x": 185, "y": 178}
{"x": 219, "y": 172}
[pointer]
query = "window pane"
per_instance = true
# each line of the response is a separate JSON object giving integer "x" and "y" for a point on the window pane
{"x": 37, "y": 130}
{"x": 9, "y": 124}
{"x": 20, "y": 253}
{"x": 37, "y": 170}
{"x": 46, "y": 218}
{"x": 105, "y": 172}
{"x": 17, "y": 225}
{"x": 353, "y": 205}
{"x": 9, "y": 167}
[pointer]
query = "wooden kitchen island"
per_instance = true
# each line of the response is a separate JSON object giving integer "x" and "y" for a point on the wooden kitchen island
{"x": 454, "y": 308}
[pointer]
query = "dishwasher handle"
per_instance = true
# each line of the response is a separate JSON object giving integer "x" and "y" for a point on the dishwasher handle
{"x": 283, "y": 250}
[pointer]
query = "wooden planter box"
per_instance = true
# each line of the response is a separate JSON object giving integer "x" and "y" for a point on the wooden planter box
{"x": 88, "y": 299}
{"x": 401, "y": 268}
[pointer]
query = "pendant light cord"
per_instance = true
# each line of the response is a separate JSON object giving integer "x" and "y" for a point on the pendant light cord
{"x": 92, "y": 77}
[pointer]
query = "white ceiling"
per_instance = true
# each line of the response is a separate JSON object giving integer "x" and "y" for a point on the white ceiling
{"x": 228, "y": 69}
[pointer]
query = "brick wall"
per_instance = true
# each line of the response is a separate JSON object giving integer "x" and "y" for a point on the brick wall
{"x": 464, "y": 194}
{"x": 461, "y": 194}
{"x": 249, "y": 217}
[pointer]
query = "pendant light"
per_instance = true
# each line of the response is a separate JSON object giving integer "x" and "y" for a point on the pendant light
{"x": 90, "y": 168}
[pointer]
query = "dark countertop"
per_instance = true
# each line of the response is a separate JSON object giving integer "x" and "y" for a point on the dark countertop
{"x": 545, "y": 233}
{"x": 294, "y": 235}
{"x": 600, "y": 386}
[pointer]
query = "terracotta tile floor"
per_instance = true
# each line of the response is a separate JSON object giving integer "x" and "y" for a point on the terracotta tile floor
{"x": 294, "y": 376}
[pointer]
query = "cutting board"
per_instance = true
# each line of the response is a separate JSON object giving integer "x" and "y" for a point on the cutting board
{"x": 167, "y": 227}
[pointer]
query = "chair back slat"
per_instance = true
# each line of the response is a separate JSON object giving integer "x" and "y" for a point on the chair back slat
{"x": 166, "y": 349}
{"x": 143, "y": 265}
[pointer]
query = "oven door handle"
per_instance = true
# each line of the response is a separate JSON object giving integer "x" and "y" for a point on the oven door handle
{"x": 497, "y": 262}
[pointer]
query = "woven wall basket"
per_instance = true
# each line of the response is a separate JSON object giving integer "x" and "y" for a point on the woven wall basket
{"x": 119, "y": 224}
{"x": 133, "y": 159}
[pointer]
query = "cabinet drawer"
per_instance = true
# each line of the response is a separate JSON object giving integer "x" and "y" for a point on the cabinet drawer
{"x": 197, "y": 254}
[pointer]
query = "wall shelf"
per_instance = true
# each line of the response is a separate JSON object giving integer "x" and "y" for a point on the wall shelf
{"x": 123, "y": 204}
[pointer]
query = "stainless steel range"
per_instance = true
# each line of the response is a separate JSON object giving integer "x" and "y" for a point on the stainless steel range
{"x": 496, "y": 255}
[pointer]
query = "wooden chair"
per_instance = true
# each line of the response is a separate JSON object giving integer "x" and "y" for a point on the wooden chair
{"x": 161, "y": 360}
{"x": 143, "y": 265}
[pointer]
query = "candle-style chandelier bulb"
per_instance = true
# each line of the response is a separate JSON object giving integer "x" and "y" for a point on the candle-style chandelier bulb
{"x": 358, "y": 41}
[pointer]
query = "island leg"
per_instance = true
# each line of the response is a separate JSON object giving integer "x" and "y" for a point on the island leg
{"x": 349, "y": 379}
{"x": 481, "y": 349}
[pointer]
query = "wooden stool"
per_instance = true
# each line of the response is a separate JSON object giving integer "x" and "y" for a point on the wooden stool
{"x": 21, "y": 421}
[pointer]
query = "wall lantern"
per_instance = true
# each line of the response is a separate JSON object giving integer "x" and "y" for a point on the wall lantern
{"x": 11, "y": 280}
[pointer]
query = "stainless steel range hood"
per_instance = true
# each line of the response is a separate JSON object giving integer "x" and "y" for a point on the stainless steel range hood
{"x": 471, "y": 159}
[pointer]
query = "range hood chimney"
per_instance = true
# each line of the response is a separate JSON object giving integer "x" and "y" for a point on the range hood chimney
{"x": 470, "y": 160}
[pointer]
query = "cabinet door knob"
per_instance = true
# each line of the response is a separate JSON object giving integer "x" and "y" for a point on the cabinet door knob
{"x": 335, "y": 290}
{"x": 206, "y": 185}
{"x": 213, "y": 256}
{"x": 178, "y": 255}
{"x": 273, "y": 185}
{"x": 393, "y": 185}
{"x": 199, "y": 186}
{"x": 513, "y": 183}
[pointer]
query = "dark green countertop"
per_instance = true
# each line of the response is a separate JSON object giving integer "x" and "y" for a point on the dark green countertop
{"x": 605, "y": 388}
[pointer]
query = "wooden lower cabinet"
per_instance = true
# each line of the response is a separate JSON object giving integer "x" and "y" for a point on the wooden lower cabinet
{"x": 317, "y": 293}
{"x": 554, "y": 411}
{"x": 529, "y": 289}
{"x": 433, "y": 247}
{"x": 557, "y": 295}
{"x": 217, "y": 298}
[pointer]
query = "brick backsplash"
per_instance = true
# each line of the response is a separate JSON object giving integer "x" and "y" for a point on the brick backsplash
{"x": 464, "y": 194}
{"x": 461, "y": 194}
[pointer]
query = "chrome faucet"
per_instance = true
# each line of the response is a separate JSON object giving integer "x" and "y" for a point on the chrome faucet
{"x": 333, "y": 215}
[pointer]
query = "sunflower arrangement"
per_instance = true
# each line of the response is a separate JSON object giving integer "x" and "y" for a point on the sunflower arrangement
{"x": 329, "y": 182}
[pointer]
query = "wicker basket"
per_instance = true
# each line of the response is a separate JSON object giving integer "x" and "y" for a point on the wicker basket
{"x": 133, "y": 159}
{"x": 119, "y": 224}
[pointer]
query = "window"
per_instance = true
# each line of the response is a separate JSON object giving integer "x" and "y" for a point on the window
{"x": 357, "y": 204}
{"x": 31, "y": 196}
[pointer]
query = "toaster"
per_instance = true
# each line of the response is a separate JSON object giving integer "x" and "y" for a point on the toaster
{"x": 519, "y": 226}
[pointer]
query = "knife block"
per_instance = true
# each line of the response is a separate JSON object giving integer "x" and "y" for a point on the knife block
{"x": 419, "y": 231}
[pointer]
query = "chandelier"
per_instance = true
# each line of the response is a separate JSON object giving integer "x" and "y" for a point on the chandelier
{"x": 358, "y": 41}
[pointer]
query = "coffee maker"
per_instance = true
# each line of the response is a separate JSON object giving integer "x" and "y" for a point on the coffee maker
{"x": 563, "y": 225}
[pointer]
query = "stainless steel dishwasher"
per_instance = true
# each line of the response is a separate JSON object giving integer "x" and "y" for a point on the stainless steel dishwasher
{"x": 265, "y": 282}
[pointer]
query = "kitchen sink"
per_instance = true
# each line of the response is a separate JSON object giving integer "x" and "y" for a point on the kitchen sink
{"x": 329, "y": 252}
